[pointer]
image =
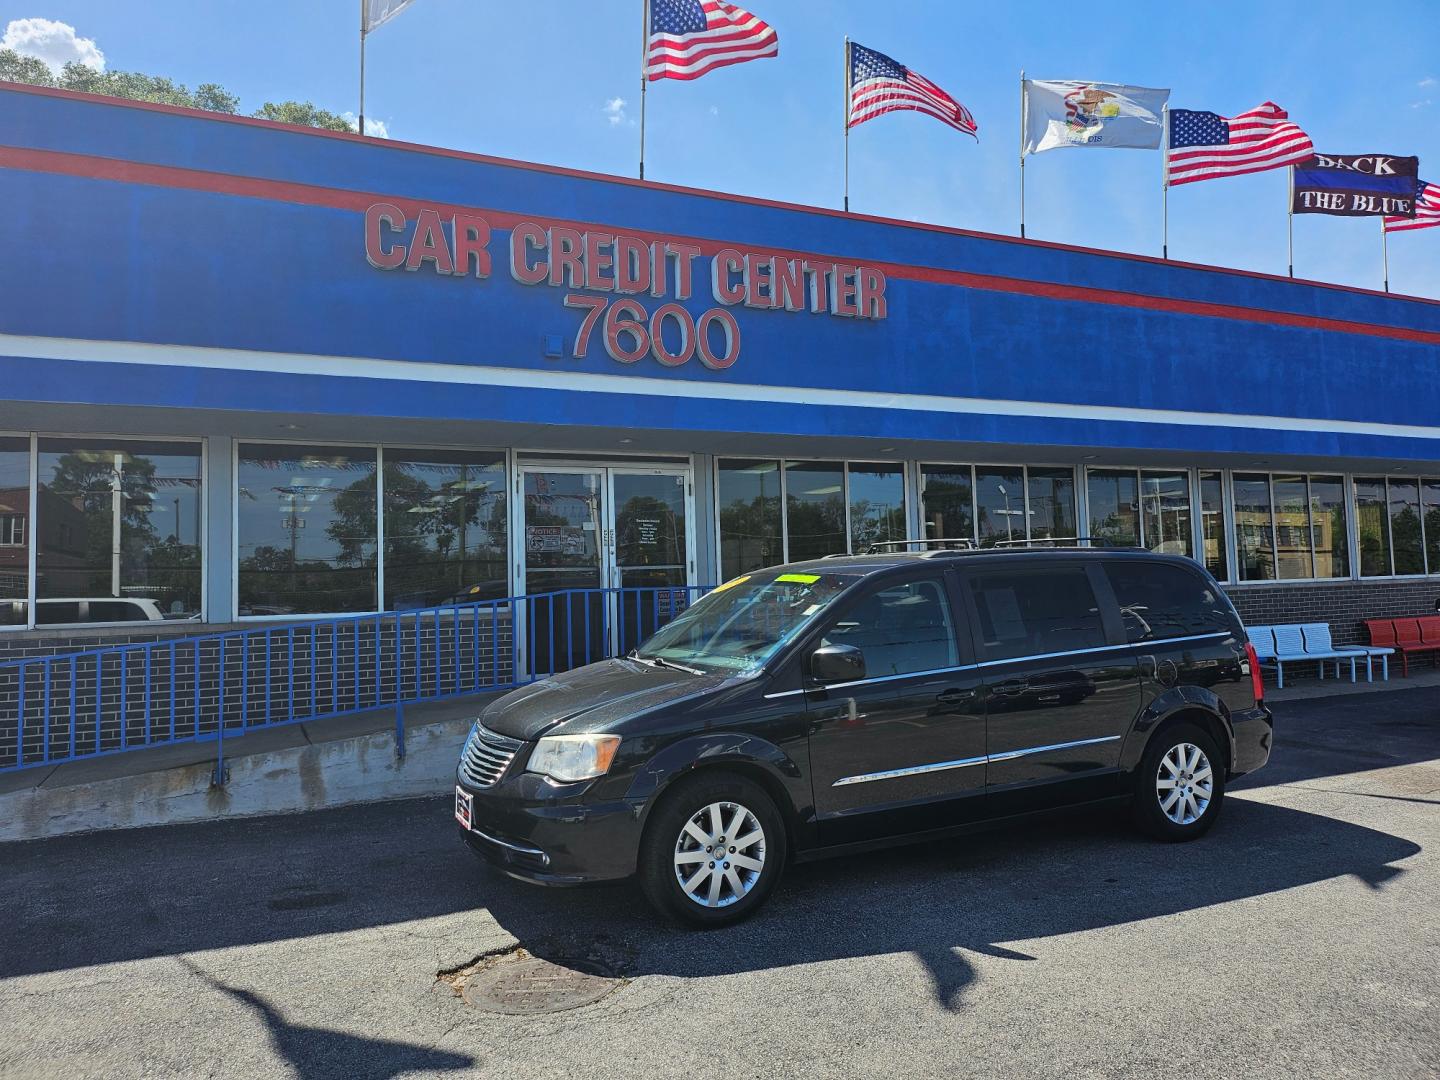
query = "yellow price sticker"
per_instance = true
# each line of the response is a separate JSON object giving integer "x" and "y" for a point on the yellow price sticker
{"x": 731, "y": 583}
{"x": 803, "y": 579}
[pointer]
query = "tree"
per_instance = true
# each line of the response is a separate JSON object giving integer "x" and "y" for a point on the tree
{"x": 304, "y": 113}
{"x": 137, "y": 86}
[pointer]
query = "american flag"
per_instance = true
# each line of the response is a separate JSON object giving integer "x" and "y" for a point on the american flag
{"x": 1427, "y": 210}
{"x": 690, "y": 37}
{"x": 879, "y": 85}
{"x": 1204, "y": 146}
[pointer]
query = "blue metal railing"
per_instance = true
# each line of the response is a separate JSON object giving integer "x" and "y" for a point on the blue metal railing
{"x": 218, "y": 686}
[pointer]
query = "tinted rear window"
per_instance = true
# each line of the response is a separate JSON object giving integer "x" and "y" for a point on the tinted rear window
{"x": 1160, "y": 600}
{"x": 1032, "y": 612}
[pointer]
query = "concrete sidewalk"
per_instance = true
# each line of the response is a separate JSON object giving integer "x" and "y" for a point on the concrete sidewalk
{"x": 302, "y": 766}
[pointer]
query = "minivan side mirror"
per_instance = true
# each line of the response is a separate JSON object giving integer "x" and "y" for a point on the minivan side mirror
{"x": 837, "y": 663}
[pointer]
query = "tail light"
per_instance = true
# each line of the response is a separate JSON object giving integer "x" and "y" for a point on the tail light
{"x": 1256, "y": 679}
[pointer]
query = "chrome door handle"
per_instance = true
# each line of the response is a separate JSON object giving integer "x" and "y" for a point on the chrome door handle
{"x": 1012, "y": 688}
{"x": 955, "y": 696}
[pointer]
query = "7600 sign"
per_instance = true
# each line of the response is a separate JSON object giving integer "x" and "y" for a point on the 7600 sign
{"x": 671, "y": 335}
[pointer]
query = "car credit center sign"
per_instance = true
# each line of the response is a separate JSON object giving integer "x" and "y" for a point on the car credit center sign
{"x": 605, "y": 274}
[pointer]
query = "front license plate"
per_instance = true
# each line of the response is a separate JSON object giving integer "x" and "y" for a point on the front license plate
{"x": 464, "y": 805}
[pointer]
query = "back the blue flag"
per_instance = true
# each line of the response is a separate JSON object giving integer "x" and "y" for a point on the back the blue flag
{"x": 1356, "y": 185}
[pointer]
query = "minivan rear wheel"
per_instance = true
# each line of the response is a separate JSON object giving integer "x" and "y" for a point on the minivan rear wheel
{"x": 713, "y": 850}
{"x": 1180, "y": 784}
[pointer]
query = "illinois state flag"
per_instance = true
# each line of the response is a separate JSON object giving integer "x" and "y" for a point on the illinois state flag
{"x": 1064, "y": 113}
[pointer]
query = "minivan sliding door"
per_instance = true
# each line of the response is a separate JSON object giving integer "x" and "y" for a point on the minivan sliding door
{"x": 1060, "y": 694}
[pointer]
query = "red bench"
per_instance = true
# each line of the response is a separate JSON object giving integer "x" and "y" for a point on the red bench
{"x": 1419, "y": 634}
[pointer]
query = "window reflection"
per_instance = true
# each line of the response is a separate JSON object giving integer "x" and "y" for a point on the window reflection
{"x": 1052, "y": 503}
{"x": 1000, "y": 505}
{"x": 1114, "y": 509}
{"x": 877, "y": 504}
{"x": 14, "y": 529}
{"x": 306, "y": 527}
{"x": 1212, "y": 525}
{"x": 1430, "y": 502}
{"x": 1373, "y": 526}
{"x": 815, "y": 509}
{"x": 118, "y": 536}
{"x": 445, "y": 535}
{"x": 947, "y": 502}
{"x": 1254, "y": 537}
{"x": 1292, "y": 527}
{"x": 749, "y": 498}
{"x": 1165, "y": 501}
{"x": 1329, "y": 527}
{"x": 1405, "y": 538}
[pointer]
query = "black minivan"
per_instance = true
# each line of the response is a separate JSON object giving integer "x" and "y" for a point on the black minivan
{"x": 823, "y": 707}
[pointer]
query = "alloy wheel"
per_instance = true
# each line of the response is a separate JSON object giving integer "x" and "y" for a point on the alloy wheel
{"x": 1184, "y": 783}
{"x": 719, "y": 854}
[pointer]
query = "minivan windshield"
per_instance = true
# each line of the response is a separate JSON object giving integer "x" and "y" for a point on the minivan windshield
{"x": 744, "y": 622}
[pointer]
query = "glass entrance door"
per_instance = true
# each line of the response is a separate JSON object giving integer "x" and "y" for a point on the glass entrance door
{"x": 607, "y": 554}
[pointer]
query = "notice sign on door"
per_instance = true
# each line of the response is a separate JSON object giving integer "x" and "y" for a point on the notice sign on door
{"x": 554, "y": 540}
{"x": 647, "y": 530}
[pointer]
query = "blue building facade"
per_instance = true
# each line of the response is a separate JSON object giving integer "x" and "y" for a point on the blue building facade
{"x": 253, "y": 372}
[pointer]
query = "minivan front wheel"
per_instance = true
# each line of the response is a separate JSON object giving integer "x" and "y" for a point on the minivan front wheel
{"x": 713, "y": 850}
{"x": 1181, "y": 784}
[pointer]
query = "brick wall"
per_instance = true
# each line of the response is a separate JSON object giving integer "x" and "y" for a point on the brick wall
{"x": 1342, "y": 604}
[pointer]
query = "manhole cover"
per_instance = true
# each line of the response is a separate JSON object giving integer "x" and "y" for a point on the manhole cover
{"x": 525, "y": 985}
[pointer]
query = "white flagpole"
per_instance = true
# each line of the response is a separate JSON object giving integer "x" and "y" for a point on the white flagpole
{"x": 1290, "y": 223}
{"x": 644, "y": 63}
{"x": 1022, "y": 153}
{"x": 1385, "y": 251}
{"x": 1165, "y": 181}
{"x": 362, "y": 67}
{"x": 845, "y": 85}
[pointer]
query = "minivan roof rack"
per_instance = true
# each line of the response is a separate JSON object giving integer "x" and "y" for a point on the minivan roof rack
{"x": 955, "y": 545}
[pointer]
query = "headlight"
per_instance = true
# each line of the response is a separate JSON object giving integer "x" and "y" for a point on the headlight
{"x": 572, "y": 758}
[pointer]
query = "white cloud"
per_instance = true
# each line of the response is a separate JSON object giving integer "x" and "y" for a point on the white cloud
{"x": 377, "y": 128}
{"x": 1424, "y": 104}
{"x": 714, "y": 110}
{"x": 614, "y": 111}
{"x": 56, "y": 43}
{"x": 1428, "y": 81}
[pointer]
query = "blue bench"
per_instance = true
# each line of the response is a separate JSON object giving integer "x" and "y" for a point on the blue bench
{"x": 1317, "y": 640}
{"x": 1278, "y": 645}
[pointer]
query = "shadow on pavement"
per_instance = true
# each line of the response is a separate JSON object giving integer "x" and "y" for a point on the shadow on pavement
{"x": 322, "y": 1052}
{"x": 86, "y": 900}
{"x": 969, "y": 895}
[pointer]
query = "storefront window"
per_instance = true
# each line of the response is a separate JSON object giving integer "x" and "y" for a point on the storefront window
{"x": 1114, "y": 511}
{"x": 1373, "y": 526}
{"x": 1254, "y": 529}
{"x": 1000, "y": 505}
{"x": 1430, "y": 503}
{"x": 14, "y": 529}
{"x": 1212, "y": 524}
{"x": 877, "y": 504}
{"x": 1329, "y": 527}
{"x": 1165, "y": 512}
{"x": 749, "y": 498}
{"x": 947, "y": 502}
{"x": 445, "y": 535}
{"x": 815, "y": 510}
{"x": 1406, "y": 540}
{"x": 118, "y": 535}
{"x": 1052, "y": 503}
{"x": 306, "y": 524}
{"x": 1292, "y": 528}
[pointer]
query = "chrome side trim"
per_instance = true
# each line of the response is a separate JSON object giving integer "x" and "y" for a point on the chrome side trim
{"x": 1010, "y": 755}
{"x": 941, "y": 766}
{"x": 1103, "y": 648}
{"x": 914, "y": 770}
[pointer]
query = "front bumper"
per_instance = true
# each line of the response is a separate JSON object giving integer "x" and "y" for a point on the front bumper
{"x": 1254, "y": 735}
{"x": 551, "y": 834}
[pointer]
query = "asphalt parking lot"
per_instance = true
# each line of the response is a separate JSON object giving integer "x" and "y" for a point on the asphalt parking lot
{"x": 1300, "y": 938}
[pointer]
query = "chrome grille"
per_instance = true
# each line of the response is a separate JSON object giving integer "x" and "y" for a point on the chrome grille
{"x": 487, "y": 756}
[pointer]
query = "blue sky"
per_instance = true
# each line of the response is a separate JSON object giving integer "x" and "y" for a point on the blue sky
{"x": 532, "y": 80}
